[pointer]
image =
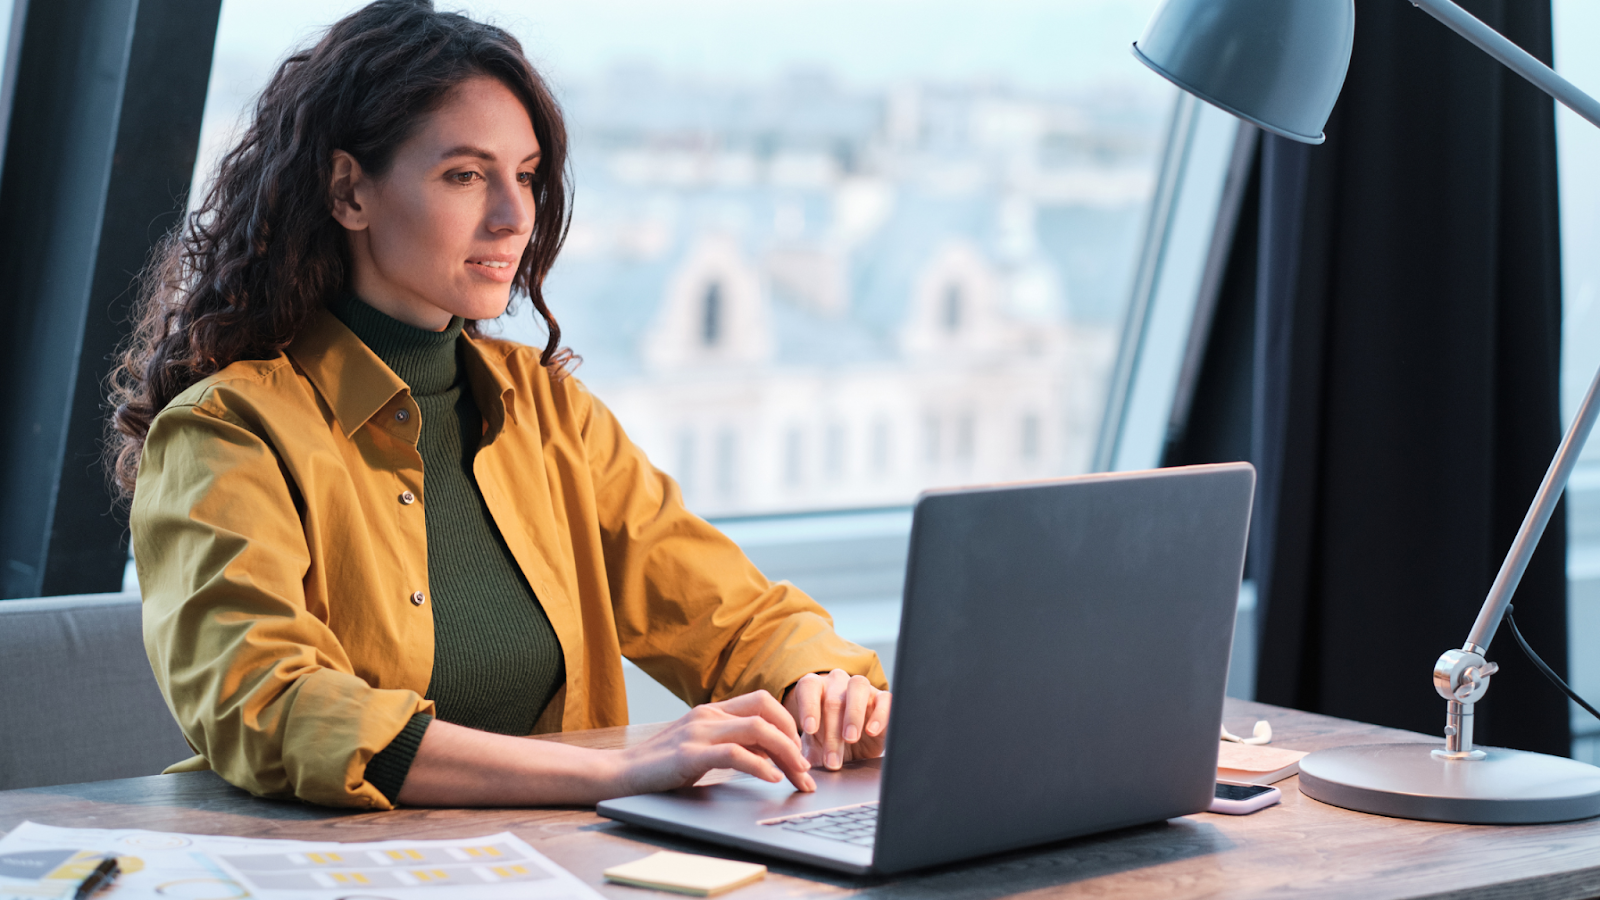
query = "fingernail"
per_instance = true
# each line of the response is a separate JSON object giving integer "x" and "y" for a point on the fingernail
{"x": 811, "y": 783}
{"x": 810, "y": 725}
{"x": 874, "y": 727}
{"x": 850, "y": 734}
{"x": 833, "y": 761}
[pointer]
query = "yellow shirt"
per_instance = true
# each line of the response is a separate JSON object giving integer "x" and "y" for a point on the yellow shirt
{"x": 285, "y": 572}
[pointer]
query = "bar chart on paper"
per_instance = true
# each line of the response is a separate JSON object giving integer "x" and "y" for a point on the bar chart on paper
{"x": 40, "y": 861}
{"x": 434, "y": 865}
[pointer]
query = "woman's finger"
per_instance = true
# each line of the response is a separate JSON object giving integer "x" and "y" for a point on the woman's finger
{"x": 733, "y": 756}
{"x": 857, "y": 703}
{"x": 835, "y": 686}
{"x": 805, "y": 702}
{"x": 763, "y": 704}
{"x": 878, "y": 721}
{"x": 758, "y": 736}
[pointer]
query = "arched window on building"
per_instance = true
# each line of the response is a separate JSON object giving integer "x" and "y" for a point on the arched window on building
{"x": 711, "y": 315}
{"x": 951, "y": 314}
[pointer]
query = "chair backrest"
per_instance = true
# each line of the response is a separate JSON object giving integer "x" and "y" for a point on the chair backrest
{"x": 77, "y": 699}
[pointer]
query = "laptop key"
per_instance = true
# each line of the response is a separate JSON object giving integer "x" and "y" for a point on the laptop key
{"x": 851, "y": 825}
{"x": 808, "y": 824}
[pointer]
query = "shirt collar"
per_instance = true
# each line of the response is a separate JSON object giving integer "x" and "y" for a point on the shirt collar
{"x": 491, "y": 384}
{"x": 357, "y": 385}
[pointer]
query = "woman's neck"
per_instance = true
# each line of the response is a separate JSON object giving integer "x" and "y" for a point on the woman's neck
{"x": 425, "y": 360}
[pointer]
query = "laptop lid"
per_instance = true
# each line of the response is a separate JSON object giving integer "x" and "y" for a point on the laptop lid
{"x": 1062, "y": 660}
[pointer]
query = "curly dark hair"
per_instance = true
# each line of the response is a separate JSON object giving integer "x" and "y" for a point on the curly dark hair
{"x": 244, "y": 272}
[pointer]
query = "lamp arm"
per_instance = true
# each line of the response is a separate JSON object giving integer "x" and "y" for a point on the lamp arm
{"x": 1516, "y": 59}
{"x": 1544, "y": 504}
{"x": 1555, "y": 479}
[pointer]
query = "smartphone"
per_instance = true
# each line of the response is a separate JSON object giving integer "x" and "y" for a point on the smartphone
{"x": 1236, "y": 799}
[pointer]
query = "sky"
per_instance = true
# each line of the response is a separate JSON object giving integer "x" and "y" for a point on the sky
{"x": 1048, "y": 44}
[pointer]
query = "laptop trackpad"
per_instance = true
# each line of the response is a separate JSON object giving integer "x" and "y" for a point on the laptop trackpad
{"x": 740, "y": 803}
{"x": 856, "y": 782}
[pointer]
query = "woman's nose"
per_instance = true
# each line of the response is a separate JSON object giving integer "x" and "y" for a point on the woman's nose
{"x": 510, "y": 208}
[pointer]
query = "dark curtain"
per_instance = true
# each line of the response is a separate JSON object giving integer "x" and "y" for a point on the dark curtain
{"x": 1407, "y": 368}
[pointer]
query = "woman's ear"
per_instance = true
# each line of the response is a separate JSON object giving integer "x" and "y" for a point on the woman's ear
{"x": 345, "y": 188}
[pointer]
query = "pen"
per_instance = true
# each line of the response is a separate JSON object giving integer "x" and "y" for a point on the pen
{"x": 101, "y": 877}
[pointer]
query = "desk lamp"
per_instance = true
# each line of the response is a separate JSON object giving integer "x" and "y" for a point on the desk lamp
{"x": 1280, "y": 64}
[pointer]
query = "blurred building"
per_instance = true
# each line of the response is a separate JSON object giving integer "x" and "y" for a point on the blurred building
{"x": 797, "y": 295}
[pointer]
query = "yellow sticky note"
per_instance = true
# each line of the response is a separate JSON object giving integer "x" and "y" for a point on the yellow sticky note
{"x": 685, "y": 873}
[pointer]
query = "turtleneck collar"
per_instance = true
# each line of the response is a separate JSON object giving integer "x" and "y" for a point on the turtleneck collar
{"x": 425, "y": 360}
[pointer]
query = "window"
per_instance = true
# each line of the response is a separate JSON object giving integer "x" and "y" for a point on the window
{"x": 826, "y": 255}
{"x": 10, "y": 33}
{"x": 728, "y": 465}
{"x": 966, "y": 438}
{"x": 1166, "y": 293}
{"x": 952, "y": 308}
{"x": 685, "y": 463}
{"x": 880, "y": 445}
{"x": 794, "y": 474}
{"x": 711, "y": 320}
{"x": 834, "y": 453}
{"x": 1030, "y": 437}
{"x": 1577, "y": 29}
{"x": 790, "y": 213}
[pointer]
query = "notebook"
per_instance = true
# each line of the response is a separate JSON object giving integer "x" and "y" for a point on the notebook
{"x": 1256, "y": 764}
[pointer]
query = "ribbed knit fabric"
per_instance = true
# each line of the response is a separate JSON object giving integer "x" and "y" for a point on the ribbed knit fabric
{"x": 496, "y": 660}
{"x": 388, "y": 768}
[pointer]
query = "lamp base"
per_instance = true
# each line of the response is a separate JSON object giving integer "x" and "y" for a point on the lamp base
{"x": 1406, "y": 781}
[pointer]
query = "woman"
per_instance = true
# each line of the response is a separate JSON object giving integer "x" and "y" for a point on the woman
{"x": 377, "y": 547}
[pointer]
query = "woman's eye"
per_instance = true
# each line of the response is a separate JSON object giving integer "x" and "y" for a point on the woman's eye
{"x": 463, "y": 177}
{"x": 525, "y": 178}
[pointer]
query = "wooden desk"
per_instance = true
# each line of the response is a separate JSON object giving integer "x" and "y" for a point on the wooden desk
{"x": 1301, "y": 847}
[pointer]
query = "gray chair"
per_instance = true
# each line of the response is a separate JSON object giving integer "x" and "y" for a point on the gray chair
{"x": 77, "y": 699}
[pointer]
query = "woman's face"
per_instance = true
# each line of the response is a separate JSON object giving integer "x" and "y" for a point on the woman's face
{"x": 441, "y": 233}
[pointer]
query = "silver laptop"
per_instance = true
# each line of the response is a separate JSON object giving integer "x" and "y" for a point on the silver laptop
{"x": 1060, "y": 671}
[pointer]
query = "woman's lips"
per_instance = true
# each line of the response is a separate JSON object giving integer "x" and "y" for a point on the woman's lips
{"x": 499, "y": 270}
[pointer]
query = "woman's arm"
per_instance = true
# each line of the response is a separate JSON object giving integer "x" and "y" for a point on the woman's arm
{"x": 256, "y": 678}
{"x": 457, "y": 766}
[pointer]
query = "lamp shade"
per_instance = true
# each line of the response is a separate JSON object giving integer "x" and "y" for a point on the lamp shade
{"x": 1277, "y": 63}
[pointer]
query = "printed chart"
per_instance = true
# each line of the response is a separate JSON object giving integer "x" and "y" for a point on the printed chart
{"x": 40, "y": 862}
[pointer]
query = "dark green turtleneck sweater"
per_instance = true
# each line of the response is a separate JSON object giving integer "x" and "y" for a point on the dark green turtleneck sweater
{"x": 496, "y": 660}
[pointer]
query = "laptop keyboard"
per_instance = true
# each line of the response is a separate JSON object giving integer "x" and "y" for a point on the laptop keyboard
{"x": 851, "y": 824}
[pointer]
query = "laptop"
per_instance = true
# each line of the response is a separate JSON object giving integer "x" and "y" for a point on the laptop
{"x": 1060, "y": 671}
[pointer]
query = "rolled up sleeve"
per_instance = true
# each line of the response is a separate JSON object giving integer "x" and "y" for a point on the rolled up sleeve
{"x": 691, "y": 609}
{"x": 260, "y": 685}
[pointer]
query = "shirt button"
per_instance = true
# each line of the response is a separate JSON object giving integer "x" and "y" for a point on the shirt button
{"x": 408, "y": 498}
{"x": 417, "y": 599}
{"x": 401, "y": 415}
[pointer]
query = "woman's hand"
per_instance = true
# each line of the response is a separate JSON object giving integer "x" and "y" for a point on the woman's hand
{"x": 752, "y": 733}
{"x": 457, "y": 766}
{"x": 841, "y": 716}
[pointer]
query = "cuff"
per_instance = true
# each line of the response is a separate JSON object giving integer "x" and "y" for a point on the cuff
{"x": 388, "y": 767}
